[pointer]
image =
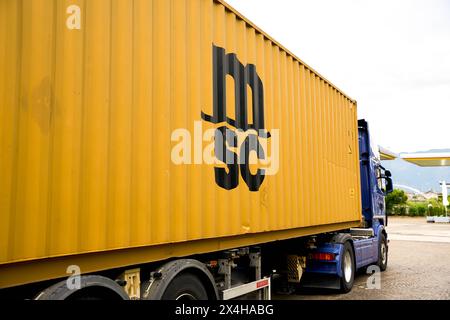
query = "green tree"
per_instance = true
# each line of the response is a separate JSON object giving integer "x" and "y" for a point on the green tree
{"x": 395, "y": 198}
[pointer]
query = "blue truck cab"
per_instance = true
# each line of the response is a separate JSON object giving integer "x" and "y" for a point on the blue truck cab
{"x": 333, "y": 260}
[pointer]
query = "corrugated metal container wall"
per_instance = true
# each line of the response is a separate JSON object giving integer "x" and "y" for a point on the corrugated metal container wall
{"x": 91, "y": 92}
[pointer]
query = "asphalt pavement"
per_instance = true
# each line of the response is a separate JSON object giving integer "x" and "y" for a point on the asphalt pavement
{"x": 418, "y": 266}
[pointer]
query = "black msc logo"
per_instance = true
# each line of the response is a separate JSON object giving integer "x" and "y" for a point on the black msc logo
{"x": 228, "y": 64}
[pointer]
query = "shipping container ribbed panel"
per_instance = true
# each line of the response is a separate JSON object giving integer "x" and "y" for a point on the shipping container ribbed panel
{"x": 92, "y": 94}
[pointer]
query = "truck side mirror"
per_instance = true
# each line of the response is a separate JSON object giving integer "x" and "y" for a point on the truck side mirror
{"x": 389, "y": 184}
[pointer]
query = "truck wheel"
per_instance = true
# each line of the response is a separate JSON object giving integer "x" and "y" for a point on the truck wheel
{"x": 382, "y": 253}
{"x": 92, "y": 287}
{"x": 348, "y": 268}
{"x": 185, "y": 287}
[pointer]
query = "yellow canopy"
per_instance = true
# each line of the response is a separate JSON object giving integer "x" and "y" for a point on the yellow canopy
{"x": 386, "y": 154}
{"x": 428, "y": 159}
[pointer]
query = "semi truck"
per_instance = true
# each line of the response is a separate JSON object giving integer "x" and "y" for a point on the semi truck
{"x": 171, "y": 149}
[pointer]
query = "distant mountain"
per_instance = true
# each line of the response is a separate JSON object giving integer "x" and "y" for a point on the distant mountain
{"x": 421, "y": 178}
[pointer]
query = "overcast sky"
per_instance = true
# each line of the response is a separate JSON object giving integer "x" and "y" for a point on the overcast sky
{"x": 392, "y": 56}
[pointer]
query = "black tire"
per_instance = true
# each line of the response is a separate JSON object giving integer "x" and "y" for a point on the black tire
{"x": 94, "y": 294}
{"x": 185, "y": 286}
{"x": 348, "y": 268}
{"x": 382, "y": 253}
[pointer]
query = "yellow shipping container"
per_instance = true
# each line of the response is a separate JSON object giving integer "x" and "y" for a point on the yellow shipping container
{"x": 96, "y": 99}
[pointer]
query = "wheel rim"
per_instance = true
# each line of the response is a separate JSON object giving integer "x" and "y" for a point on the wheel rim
{"x": 185, "y": 297}
{"x": 383, "y": 253}
{"x": 348, "y": 269}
